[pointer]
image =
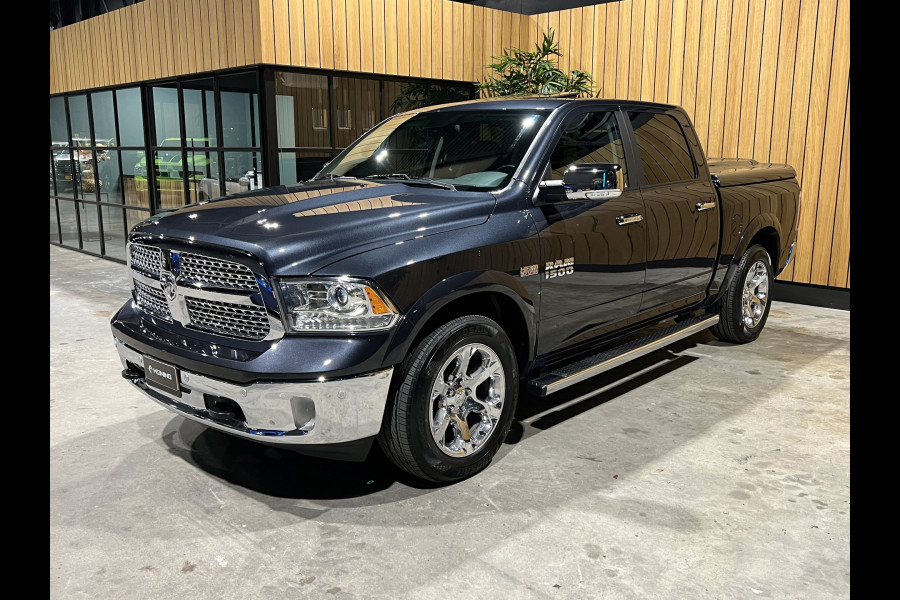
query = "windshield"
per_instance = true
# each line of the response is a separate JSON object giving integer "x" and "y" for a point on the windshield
{"x": 468, "y": 150}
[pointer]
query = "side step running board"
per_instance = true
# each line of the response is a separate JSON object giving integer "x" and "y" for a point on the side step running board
{"x": 564, "y": 376}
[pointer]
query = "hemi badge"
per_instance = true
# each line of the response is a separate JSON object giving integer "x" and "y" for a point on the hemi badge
{"x": 529, "y": 270}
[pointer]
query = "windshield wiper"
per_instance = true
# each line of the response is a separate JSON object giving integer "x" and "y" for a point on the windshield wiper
{"x": 331, "y": 177}
{"x": 391, "y": 176}
{"x": 405, "y": 177}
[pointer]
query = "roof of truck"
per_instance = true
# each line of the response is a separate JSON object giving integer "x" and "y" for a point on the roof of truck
{"x": 536, "y": 102}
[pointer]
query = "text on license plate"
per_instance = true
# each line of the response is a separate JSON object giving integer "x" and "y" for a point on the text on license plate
{"x": 161, "y": 374}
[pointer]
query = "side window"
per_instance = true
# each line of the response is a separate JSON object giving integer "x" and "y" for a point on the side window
{"x": 589, "y": 138}
{"x": 663, "y": 148}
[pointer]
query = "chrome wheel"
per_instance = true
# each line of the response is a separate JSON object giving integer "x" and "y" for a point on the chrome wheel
{"x": 467, "y": 400}
{"x": 755, "y": 294}
{"x": 454, "y": 401}
{"x": 744, "y": 302}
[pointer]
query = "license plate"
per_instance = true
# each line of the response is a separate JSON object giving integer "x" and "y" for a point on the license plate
{"x": 161, "y": 375}
{"x": 68, "y": 177}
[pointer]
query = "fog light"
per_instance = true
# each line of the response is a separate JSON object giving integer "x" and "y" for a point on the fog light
{"x": 304, "y": 410}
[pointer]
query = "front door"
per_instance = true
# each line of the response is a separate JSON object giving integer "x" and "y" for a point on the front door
{"x": 592, "y": 259}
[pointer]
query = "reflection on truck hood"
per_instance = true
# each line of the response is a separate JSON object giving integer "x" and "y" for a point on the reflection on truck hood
{"x": 299, "y": 229}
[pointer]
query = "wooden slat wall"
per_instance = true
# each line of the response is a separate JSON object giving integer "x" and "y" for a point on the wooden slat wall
{"x": 767, "y": 79}
{"x": 164, "y": 38}
{"x": 418, "y": 38}
{"x": 764, "y": 79}
{"x": 156, "y": 39}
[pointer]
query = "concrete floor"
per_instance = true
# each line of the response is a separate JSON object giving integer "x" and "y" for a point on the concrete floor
{"x": 704, "y": 471}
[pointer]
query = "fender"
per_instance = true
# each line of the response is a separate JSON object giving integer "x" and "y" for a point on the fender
{"x": 454, "y": 289}
{"x": 756, "y": 224}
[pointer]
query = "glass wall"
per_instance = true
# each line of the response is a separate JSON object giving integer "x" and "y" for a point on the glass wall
{"x": 410, "y": 95}
{"x": 240, "y": 110}
{"x": 104, "y": 113}
{"x": 81, "y": 127}
{"x": 201, "y": 126}
{"x": 241, "y": 158}
{"x": 59, "y": 126}
{"x": 166, "y": 115}
{"x": 119, "y": 155}
{"x": 200, "y": 113}
{"x": 168, "y": 151}
{"x": 130, "y": 116}
{"x": 356, "y": 108}
{"x": 88, "y": 191}
{"x": 320, "y": 115}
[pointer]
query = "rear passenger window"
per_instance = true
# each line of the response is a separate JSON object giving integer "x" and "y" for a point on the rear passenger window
{"x": 663, "y": 148}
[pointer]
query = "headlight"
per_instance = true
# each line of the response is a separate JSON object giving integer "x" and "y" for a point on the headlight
{"x": 335, "y": 305}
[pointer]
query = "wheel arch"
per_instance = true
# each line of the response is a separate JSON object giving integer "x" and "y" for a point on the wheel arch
{"x": 492, "y": 295}
{"x": 763, "y": 230}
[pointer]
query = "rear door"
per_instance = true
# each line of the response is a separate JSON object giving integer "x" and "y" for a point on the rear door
{"x": 681, "y": 211}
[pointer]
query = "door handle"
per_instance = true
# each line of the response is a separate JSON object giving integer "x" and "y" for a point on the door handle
{"x": 629, "y": 219}
{"x": 701, "y": 206}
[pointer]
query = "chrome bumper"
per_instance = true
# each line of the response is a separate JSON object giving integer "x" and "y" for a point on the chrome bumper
{"x": 318, "y": 412}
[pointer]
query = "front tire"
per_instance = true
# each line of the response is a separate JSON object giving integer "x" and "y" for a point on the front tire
{"x": 454, "y": 401}
{"x": 744, "y": 306}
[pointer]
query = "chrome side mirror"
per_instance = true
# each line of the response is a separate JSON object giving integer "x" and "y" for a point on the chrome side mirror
{"x": 584, "y": 181}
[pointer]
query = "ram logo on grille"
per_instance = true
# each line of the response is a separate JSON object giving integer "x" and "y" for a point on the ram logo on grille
{"x": 169, "y": 285}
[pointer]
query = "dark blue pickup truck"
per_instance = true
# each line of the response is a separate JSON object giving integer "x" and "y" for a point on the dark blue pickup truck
{"x": 446, "y": 260}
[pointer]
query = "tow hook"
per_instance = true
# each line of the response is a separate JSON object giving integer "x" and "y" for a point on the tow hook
{"x": 132, "y": 374}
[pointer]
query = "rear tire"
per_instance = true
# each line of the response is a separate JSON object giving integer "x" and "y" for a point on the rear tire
{"x": 453, "y": 402}
{"x": 744, "y": 306}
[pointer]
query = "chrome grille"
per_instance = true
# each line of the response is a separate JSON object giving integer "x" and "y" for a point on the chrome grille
{"x": 151, "y": 301}
{"x": 64, "y": 167}
{"x": 210, "y": 272}
{"x": 226, "y": 318}
{"x": 203, "y": 293}
{"x": 146, "y": 259}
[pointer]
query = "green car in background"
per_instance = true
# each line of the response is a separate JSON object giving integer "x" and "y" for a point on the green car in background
{"x": 169, "y": 162}
{"x": 202, "y": 174}
{"x": 171, "y": 169}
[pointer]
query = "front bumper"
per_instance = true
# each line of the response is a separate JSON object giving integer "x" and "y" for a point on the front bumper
{"x": 281, "y": 412}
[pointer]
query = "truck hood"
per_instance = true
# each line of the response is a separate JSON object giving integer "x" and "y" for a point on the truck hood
{"x": 300, "y": 229}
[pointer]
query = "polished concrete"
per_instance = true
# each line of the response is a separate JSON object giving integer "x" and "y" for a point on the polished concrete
{"x": 707, "y": 470}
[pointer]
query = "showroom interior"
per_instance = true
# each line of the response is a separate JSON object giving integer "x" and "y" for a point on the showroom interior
{"x": 264, "y": 92}
{"x": 701, "y": 470}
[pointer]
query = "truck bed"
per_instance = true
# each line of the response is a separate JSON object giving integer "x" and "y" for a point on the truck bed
{"x": 729, "y": 172}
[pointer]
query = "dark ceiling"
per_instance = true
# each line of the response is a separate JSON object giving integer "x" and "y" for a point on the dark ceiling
{"x": 532, "y": 7}
{"x": 66, "y": 12}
